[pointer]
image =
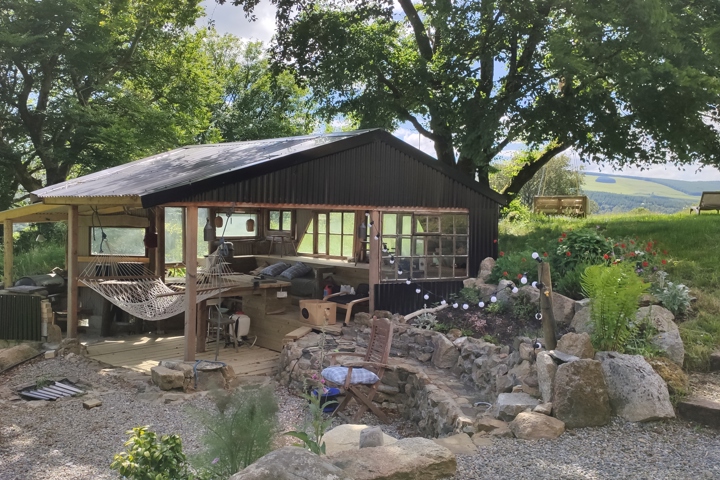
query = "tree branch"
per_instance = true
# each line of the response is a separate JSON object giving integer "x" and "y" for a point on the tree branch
{"x": 421, "y": 37}
{"x": 397, "y": 94}
{"x": 530, "y": 169}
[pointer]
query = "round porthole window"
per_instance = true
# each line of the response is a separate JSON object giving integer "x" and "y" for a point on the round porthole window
{"x": 304, "y": 312}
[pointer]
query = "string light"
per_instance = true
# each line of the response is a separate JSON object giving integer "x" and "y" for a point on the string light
{"x": 535, "y": 255}
{"x": 400, "y": 270}
{"x": 515, "y": 290}
{"x": 534, "y": 284}
{"x": 493, "y": 299}
{"x": 443, "y": 302}
{"x": 455, "y": 305}
{"x": 481, "y": 304}
{"x": 524, "y": 280}
{"x": 465, "y": 306}
{"x": 426, "y": 296}
{"x": 377, "y": 237}
{"x": 417, "y": 290}
{"x": 408, "y": 281}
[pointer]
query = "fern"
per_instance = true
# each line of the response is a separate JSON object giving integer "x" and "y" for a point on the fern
{"x": 614, "y": 292}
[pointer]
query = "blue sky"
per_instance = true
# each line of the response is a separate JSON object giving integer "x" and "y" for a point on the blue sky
{"x": 229, "y": 19}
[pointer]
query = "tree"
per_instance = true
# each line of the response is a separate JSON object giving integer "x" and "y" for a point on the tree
{"x": 556, "y": 177}
{"x": 85, "y": 84}
{"x": 256, "y": 104}
{"x": 621, "y": 81}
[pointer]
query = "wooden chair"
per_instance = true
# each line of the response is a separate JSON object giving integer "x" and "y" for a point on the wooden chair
{"x": 346, "y": 302}
{"x": 709, "y": 201}
{"x": 356, "y": 377}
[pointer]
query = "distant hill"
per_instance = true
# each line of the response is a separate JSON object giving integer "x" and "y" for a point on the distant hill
{"x": 621, "y": 193}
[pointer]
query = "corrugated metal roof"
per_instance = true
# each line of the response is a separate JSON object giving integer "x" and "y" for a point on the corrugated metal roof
{"x": 185, "y": 166}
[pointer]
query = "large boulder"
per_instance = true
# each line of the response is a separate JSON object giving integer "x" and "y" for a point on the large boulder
{"x": 509, "y": 405}
{"x": 563, "y": 309}
{"x": 580, "y": 395}
{"x": 291, "y": 463}
{"x": 577, "y": 344}
{"x": 668, "y": 338}
{"x": 581, "y": 321}
{"x": 166, "y": 378}
{"x": 407, "y": 459}
{"x": 546, "y": 369}
{"x": 18, "y": 353}
{"x": 529, "y": 294}
{"x": 445, "y": 354}
{"x": 637, "y": 393}
{"x": 700, "y": 410}
{"x": 347, "y": 437}
{"x": 486, "y": 267}
{"x": 535, "y": 426}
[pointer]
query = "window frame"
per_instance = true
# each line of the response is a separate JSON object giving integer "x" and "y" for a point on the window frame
{"x": 144, "y": 254}
{"x": 327, "y": 234}
{"x": 281, "y": 212}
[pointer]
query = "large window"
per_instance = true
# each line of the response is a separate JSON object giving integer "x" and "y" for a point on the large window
{"x": 239, "y": 225}
{"x": 423, "y": 246}
{"x": 280, "y": 220}
{"x": 329, "y": 234}
{"x": 119, "y": 241}
{"x": 175, "y": 233}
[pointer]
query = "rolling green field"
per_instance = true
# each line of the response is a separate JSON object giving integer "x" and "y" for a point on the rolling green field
{"x": 634, "y": 187}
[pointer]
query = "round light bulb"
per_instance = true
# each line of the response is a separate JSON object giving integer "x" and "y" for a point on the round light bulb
{"x": 523, "y": 280}
{"x": 455, "y": 305}
{"x": 417, "y": 290}
{"x": 493, "y": 299}
{"x": 399, "y": 271}
{"x": 535, "y": 255}
{"x": 534, "y": 284}
{"x": 481, "y": 304}
{"x": 426, "y": 296}
{"x": 377, "y": 237}
{"x": 465, "y": 306}
{"x": 392, "y": 261}
{"x": 515, "y": 290}
{"x": 407, "y": 281}
{"x": 443, "y": 302}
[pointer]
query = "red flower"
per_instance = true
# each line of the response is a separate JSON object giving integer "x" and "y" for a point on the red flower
{"x": 568, "y": 253}
{"x": 654, "y": 253}
{"x": 664, "y": 261}
{"x": 560, "y": 240}
{"x": 563, "y": 235}
{"x": 632, "y": 242}
{"x": 664, "y": 252}
{"x": 495, "y": 241}
{"x": 519, "y": 275}
{"x": 545, "y": 254}
{"x": 631, "y": 254}
{"x": 616, "y": 245}
{"x": 502, "y": 254}
{"x": 622, "y": 245}
{"x": 505, "y": 274}
{"x": 606, "y": 256}
{"x": 645, "y": 264}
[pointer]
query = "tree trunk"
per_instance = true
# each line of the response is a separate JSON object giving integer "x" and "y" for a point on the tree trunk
{"x": 530, "y": 169}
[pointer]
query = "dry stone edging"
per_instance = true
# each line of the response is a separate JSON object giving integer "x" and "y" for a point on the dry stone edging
{"x": 291, "y": 463}
{"x": 536, "y": 426}
{"x": 700, "y": 410}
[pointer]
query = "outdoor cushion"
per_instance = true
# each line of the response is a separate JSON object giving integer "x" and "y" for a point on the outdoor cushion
{"x": 297, "y": 270}
{"x": 275, "y": 269}
{"x": 359, "y": 375}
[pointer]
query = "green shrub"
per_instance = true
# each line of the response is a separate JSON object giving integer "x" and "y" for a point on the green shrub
{"x": 579, "y": 247}
{"x": 237, "y": 432}
{"x": 523, "y": 309}
{"x": 569, "y": 283}
{"x": 512, "y": 266}
{"x": 318, "y": 424}
{"x": 150, "y": 458}
{"x": 674, "y": 297}
{"x": 614, "y": 292}
{"x": 468, "y": 295}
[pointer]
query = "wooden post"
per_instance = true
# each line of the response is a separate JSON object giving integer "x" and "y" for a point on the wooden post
{"x": 374, "y": 247}
{"x": 202, "y": 323}
{"x": 191, "y": 230}
{"x": 8, "y": 260}
{"x": 546, "y": 306}
{"x": 73, "y": 227}
{"x": 160, "y": 250}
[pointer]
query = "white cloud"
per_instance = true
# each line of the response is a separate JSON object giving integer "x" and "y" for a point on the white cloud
{"x": 411, "y": 136}
{"x": 230, "y": 19}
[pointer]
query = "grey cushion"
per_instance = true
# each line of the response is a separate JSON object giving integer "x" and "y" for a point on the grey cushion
{"x": 297, "y": 270}
{"x": 275, "y": 269}
{"x": 359, "y": 376}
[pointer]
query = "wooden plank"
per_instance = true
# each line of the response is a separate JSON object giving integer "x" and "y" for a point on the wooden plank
{"x": 298, "y": 333}
{"x": 8, "y": 249}
{"x": 128, "y": 201}
{"x": 320, "y": 206}
{"x": 191, "y": 232}
{"x": 115, "y": 221}
{"x": 202, "y": 324}
{"x": 374, "y": 277}
{"x": 42, "y": 218}
{"x": 73, "y": 228}
{"x": 25, "y": 211}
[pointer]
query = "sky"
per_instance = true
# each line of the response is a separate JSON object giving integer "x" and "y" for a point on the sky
{"x": 229, "y": 19}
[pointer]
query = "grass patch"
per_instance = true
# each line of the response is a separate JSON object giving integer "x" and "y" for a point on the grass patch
{"x": 37, "y": 260}
{"x": 691, "y": 242}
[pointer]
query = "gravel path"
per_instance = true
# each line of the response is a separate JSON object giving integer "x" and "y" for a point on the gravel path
{"x": 61, "y": 440}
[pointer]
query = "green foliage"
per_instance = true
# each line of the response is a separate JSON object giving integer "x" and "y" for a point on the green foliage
{"x": 311, "y": 436}
{"x": 513, "y": 265}
{"x": 674, "y": 297}
{"x": 496, "y": 307}
{"x": 491, "y": 339}
{"x": 516, "y": 211}
{"x": 578, "y": 247}
{"x": 569, "y": 283}
{"x": 150, "y": 458}
{"x": 425, "y": 321}
{"x": 237, "y": 432}
{"x": 523, "y": 309}
{"x": 614, "y": 292}
{"x": 468, "y": 294}
{"x": 442, "y": 327}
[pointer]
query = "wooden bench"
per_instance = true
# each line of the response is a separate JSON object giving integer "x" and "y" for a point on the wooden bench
{"x": 571, "y": 205}
{"x": 708, "y": 201}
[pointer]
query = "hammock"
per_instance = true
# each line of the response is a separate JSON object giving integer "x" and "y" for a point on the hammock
{"x": 138, "y": 291}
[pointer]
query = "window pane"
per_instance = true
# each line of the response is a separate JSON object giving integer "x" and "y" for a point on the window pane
{"x": 173, "y": 235}
{"x": 419, "y": 249}
{"x": 461, "y": 224}
{"x": 274, "y": 217}
{"x": 461, "y": 245}
{"x": 406, "y": 225}
{"x": 404, "y": 246}
{"x": 335, "y": 222}
{"x": 447, "y": 224}
{"x": 306, "y": 243}
{"x": 460, "y": 266}
{"x": 202, "y": 245}
{"x": 388, "y": 246}
{"x": 120, "y": 241}
{"x": 433, "y": 225}
{"x": 446, "y": 247}
{"x": 335, "y": 245}
{"x": 349, "y": 223}
{"x": 286, "y": 221}
{"x": 237, "y": 225}
{"x": 389, "y": 224}
{"x": 347, "y": 246}
{"x": 421, "y": 224}
{"x": 322, "y": 244}
{"x": 322, "y": 222}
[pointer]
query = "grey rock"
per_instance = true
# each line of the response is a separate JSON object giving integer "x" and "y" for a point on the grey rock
{"x": 486, "y": 423}
{"x": 700, "y": 410}
{"x": 580, "y": 395}
{"x": 581, "y": 304}
{"x": 546, "y": 369}
{"x": 486, "y": 267}
{"x": 18, "y": 353}
{"x": 563, "y": 309}
{"x": 371, "y": 437}
{"x": 54, "y": 334}
{"x": 445, "y": 354}
{"x": 581, "y": 321}
{"x": 509, "y": 405}
{"x": 347, "y": 437}
{"x": 668, "y": 338}
{"x": 577, "y": 344}
{"x": 529, "y": 293}
{"x": 637, "y": 393}
{"x": 562, "y": 357}
{"x": 544, "y": 408}
{"x": 527, "y": 352}
{"x": 459, "y": 444}
{"x": 167, "y": 379}
{"x": 536, "y": 426}
{"x": 291, "y": 463}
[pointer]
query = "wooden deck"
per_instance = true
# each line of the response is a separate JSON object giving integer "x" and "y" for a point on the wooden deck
{"x": 142, "y": 352}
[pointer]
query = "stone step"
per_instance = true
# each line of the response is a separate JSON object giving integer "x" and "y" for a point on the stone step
{"x": 700, "y": 410}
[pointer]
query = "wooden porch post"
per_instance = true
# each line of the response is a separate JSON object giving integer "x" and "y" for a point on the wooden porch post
{"x": 160, "y": 250}
{"x": 374, "y": 246}
{"x": 73, "y": 227}
{"x": 191, "y": 230}
{"x": 8, "y": 260}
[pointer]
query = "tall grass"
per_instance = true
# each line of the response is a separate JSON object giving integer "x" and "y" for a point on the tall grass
{"x": 38, "y": 260}
{"x": 692, "y": 243}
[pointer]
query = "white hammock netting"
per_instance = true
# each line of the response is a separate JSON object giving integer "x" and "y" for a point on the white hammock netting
{"x": 136, "y": 290}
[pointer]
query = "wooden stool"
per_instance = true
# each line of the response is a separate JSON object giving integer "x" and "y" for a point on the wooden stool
{"x": 282, "y": 239}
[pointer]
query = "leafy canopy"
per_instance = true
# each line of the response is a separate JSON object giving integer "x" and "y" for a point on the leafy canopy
{"x": 624, "y": 81}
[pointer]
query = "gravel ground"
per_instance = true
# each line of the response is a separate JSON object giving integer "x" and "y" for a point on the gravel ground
{"x": 61, "y": 440}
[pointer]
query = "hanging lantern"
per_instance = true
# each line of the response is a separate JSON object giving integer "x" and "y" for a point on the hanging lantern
{"x": 250, "y": 225}
{"x": 218, "y": 222}
{"x": 151, "y": 238}
{"x": 209, "y": 231}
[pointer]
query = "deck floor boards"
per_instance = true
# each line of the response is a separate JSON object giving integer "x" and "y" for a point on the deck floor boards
{"x": 140, "y": 353}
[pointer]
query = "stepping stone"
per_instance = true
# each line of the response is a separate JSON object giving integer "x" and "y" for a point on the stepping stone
{"x": 459, "y": 444}
{"x": 700, "y": 410}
